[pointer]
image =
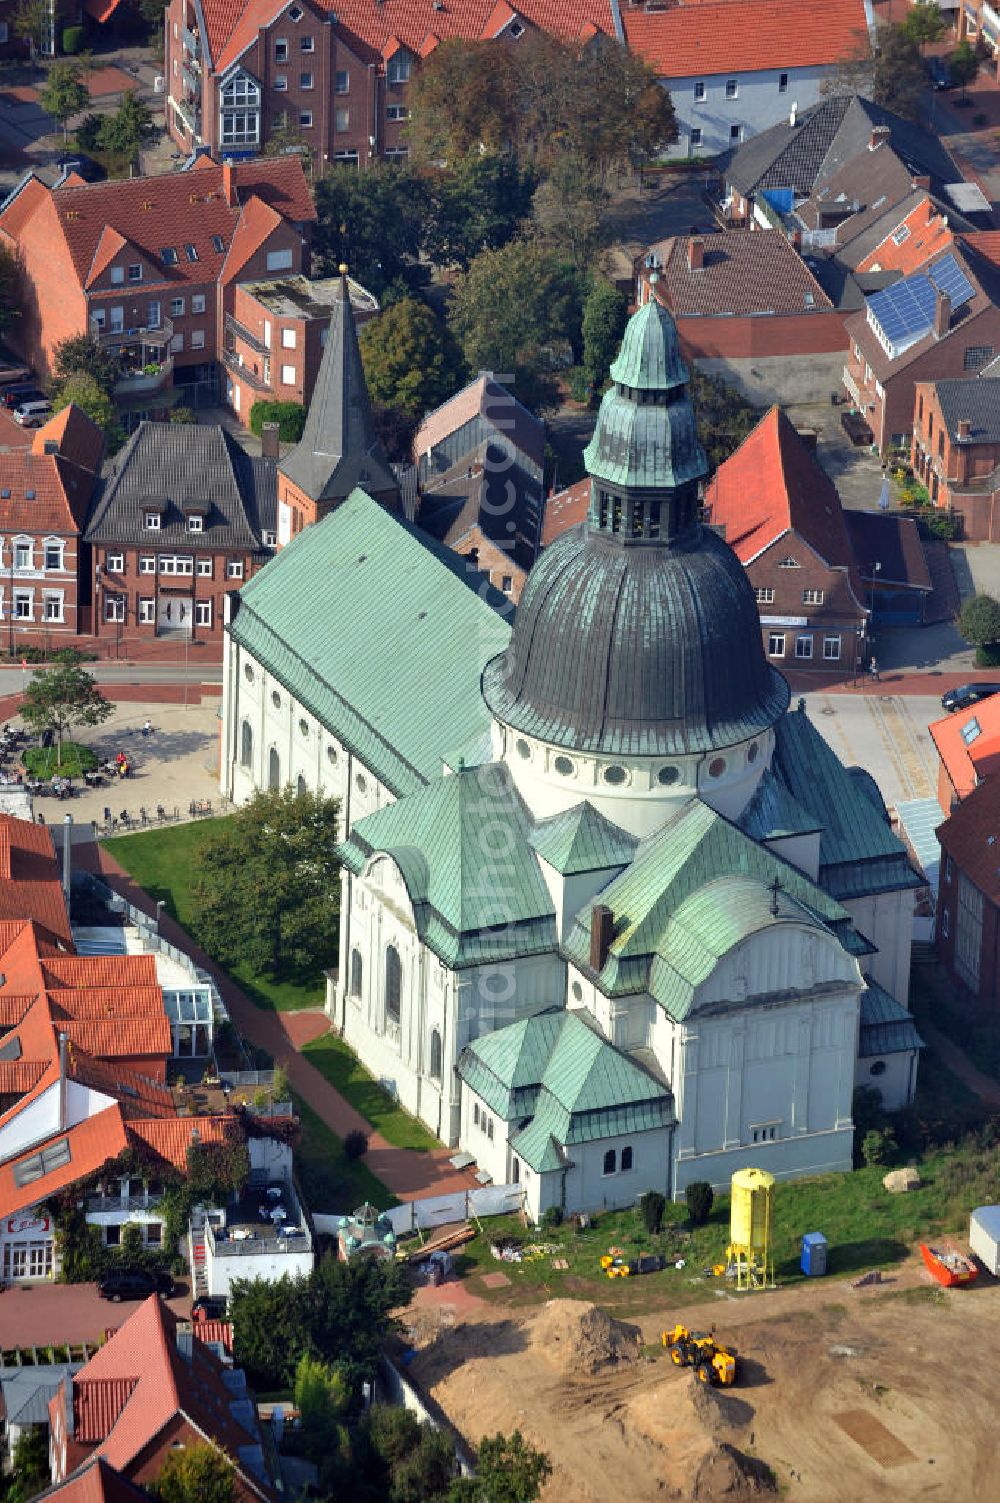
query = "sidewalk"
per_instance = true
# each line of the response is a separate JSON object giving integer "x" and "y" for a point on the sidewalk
{"x": 959, "y": 1063}
{"x": 408, "y": 1174}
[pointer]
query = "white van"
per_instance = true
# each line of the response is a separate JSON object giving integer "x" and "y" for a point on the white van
{"x": 32, "y": 414}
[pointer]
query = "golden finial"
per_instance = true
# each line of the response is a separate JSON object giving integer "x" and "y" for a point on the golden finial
{"x": 342, "y": 268}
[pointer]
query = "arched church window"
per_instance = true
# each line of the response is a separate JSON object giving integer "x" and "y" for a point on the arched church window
{"x": 610, "y": 1161}
{"x": 357, "y": 972}
{"x": 393, "y": 983}
{"x": 300, "y": 785}
{"x": 626, "y": 1160}
{"x": 273, "y": 768}
{"x": 246, "y": 745}
{"x": 435, "y": 1055}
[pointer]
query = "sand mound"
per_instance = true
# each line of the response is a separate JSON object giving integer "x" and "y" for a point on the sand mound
{"x": 687, "y": 1421}
{"x": 580, "y": 1339}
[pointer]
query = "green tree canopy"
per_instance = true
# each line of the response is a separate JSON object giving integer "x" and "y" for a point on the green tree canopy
{"x": 267, "y": 885}
{"x": 195, "y": 1474}
{"x": 508, "y": 1470}
{"x": 64, "y": 92}
{"x": 514, "y": 312}
{"x": 923, "y": 23}
{"x": 477, "y": 204}
{"x": 322, "y": 1398}
{"x": 411, "y": 361}
{"x": 979, "y": 621}
{"x": 32, "y": 23}
{"x": 899, "y": 79}
{"x": 82, "y": 354}
{"x": 373, "y": 223}
{"x": 129, "y": 128}
{"x": 724, "y": 415}
{"x": 964, "y": 65}
{"x": 605, "y": 314}
{"x": 569, "y": 209}
{"x": 84, "y": 391}
{"x": 62, "y": 696}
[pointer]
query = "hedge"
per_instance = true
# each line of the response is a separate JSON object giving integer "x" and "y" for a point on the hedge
{"x": 289, "y": 416}
{"x": 71, "y": 38}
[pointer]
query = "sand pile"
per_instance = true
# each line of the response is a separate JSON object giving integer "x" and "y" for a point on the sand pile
{"x": 580, "y": 1340}
{"x": 699, "y": 1432}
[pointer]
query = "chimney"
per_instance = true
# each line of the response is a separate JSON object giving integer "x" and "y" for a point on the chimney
{"x": 964, "y": 430}
{"x": 50, "y": 446}
{"x": 601, "y": 935}
{"x": 793, "y": 114}
{"x": 696, "y": 254}
{"x": 797, "y": 240}
{"x": 269, "y": 440}
{"x": 879, "y": 136}
{"x": 923, "y": 182}
{"x": 67, "y": 855}
{"x": 942, "y": 314}
{"x": 228, "y": 184}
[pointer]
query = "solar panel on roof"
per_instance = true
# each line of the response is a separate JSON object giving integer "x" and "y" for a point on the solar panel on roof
{"x": 949, "y": 277}
{"x": 906, "y": 310}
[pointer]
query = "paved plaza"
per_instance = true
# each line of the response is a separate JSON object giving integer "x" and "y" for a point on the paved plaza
{"x": 175, "y": 765}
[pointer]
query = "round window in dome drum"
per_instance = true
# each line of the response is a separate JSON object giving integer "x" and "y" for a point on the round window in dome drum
{"x": 716, "y": 767}
{"x": 563, "y": 767}
{"x": 615, "y": 775}
{"x": 523, "y": 749}
{"x": 753, "y": 751}
{"x": 668, "y": 775}
{"x": 577, "y": 991}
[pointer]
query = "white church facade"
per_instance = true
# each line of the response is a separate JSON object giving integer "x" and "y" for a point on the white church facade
{"x": 613, "y": 916}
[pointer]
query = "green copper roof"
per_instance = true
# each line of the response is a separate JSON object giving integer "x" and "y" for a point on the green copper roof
{"x": 476, "y": 895}
{"x": 772, "y": 812}
{"x": 640, "y": 446}
{"x": 585, "y": 1088}
{"x": 886, "y": 1025}
{"x": 379, "y": 633}
{"x": 649, "y": 358}
{"x": 696, "y": 851}
{"x": 582, "y": 840}
{"x": 858, "y": 852}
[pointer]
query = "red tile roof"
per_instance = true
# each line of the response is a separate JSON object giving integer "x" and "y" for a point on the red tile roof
{"x": 17, "y": 1076}
{"x": 215, "y": 1332}
{"x": 75, "y": 971}
{"x": 61, "y": 499}
{"x": 80, "y": 440}
{"x": 375, "y": 24}
{"x": 966, "y": 761}
{"x": 96, "y": 1482}
{"x": 172, "y": 1137}
{"x": 92, "y": 1142}
{"x": 743, "y": 272}
{"x": 565, "y": 509}
{"x": 97, "y": 1405}
{"x": 928, "y": 232}
{"x": 741, "y": 36}
{"x": 174, "y": 209}
{"x": 120, "y": 1037}
{"x": 30, "y": 197}
{"x": 29, "y": 872}
{"x": 971, "y": 837}
{"x": 772, "y": 485}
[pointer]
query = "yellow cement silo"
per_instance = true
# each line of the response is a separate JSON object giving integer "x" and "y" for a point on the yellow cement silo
{"x": 751, "y": 1222}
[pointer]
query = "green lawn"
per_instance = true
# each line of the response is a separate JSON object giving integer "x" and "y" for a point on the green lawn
{"x": 162, "y": 861}
{"x": 44, "y": 761}
{"x": 342, "y": 1069}
{"x": 329, "y": 1181}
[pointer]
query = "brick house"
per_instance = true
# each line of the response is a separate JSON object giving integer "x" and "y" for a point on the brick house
{"x": 956, "y": 451}
{"x": 943, "y": 321}
{"x": 274, "y": 337}
{"x": 185, "y": 516}
{"x": 45, "y": 495}
{"x": 336, "y": 74}
{"x": 150, "y": 267}
{"x": 777, "y": 509}
{"x": 736, "y": 294}
{"x": 967, "y": 933}
{"x": 968, "y": 748}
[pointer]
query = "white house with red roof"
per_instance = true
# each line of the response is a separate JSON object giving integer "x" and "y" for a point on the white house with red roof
{"x": 736, "y": 67}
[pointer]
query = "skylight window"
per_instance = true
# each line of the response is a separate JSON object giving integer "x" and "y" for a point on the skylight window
{"x": 168, "y": 255}
{"x": 39, "y": 1164}
{"x": 903, "y": 233}
{"x": 29, "y": 495}
{"x": 970, "y": 730}
{"x": 218, "y": 244}
{"x": 191, "y": 251}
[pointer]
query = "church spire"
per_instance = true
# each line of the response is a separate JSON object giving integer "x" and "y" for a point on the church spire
{"x": 339, "y": 448}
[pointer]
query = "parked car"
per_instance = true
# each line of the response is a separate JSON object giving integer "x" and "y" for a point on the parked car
{"x": 939, "y": 73}
{"x": 966, "y": 695}
{"x": 856, "y": 428}
{"x": 21, "y": 391}
{"x": 32, "y": 414}
{"x": 134, "y": 1283}
{"x": 209, "y": 1307}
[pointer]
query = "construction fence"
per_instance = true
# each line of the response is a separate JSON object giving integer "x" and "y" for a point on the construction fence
{"x": 439, "y": 1210}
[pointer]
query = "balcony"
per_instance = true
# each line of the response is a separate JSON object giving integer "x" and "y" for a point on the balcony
{"x": 147, "y": 1201}
{"x": 855, "y": 391}
{"x": 153, "y": 336}
{"x": 151, "y": 375}
{"x": 188, "y": 114}
{"x": 240, "y": 331}
{"x": 192, "y": 45}
{"x": 245, "y": 372}
{"x": 192, "y": 87}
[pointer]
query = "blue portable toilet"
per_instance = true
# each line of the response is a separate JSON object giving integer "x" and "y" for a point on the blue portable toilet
{"x": 813, "y": 1262}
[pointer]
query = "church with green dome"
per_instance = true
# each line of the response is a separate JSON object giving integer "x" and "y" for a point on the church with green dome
{"x": 614, "y": 916}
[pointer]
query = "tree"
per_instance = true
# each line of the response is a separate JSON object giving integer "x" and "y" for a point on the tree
{"x": 195, "y": 1474}
{"x": 372, "y": 222}
{"x": 63, "y": 696}
{"x": 462, "y": 100}
{"x": 322, "y": 1398}
{"x": 514, "y": 312}
{"x": 411, "y": 361}
{"x": 84, "y": 391}
{"x": 979, "y": 621}
{"x": 964, "y": 65}
{"x": 899, "y": 79}
{"x": 508, "y": 1470}
{"x": 475, "y": 205}
{"x": 33, "y": 23}
{"x": 923, "y": 23}
{"x": 652, "y": 1206}
{"x": 569, "y": 208}
{"x": 725, "y": 417}
{"x": 64, "y": 92}
{"x": 699, "y": 1196}
{"x": 10, "y": 281}
{"x": 129, "y": 128}
{"x": 267, "y": 885}
{"x": 605, "y": 314}
{"x": 82, "y": 354}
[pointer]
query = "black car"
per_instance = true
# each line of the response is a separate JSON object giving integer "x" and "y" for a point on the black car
{"x": 966, "y": 695}
{"x": 939, "y": 73}
{"x": 134, "y": 1283}
{"x": 209, "y": 1307}
{"x": 20, "y": 392}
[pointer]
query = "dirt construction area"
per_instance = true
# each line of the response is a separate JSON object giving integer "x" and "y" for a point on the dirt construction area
{"x": 840, "y": 1396}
